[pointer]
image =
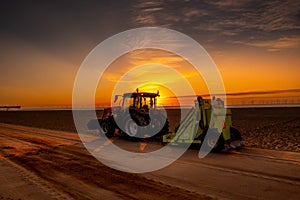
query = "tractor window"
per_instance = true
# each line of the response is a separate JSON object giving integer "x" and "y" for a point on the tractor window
{"x": 148, "y": 102}
{"x": 144, "y": 101}
{"x": 128, "y": 102}
{"x": 139, "y": 101}
{"x": 151, "y": 102}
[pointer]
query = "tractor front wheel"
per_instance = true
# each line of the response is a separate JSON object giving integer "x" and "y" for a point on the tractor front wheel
{"x": 131, "y": 128}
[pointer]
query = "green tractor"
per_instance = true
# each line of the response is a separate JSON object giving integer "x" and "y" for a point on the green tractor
{"x": 196, "y": 126}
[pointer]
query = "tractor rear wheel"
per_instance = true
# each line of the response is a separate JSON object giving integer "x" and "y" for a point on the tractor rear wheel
{"x": 107, "y": 128}
{"x": 160, "y": 126}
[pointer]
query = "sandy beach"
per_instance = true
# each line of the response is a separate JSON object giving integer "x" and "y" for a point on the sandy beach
{"x": 42, "y": 157}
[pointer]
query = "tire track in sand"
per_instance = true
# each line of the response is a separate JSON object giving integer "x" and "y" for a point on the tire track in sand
{"x": 30, "y": 177}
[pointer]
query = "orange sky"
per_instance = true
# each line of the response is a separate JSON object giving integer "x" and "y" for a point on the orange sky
{"x": 42, "y": 80}
{"x": 245, "y": 74}
{"x": 43, "y": 46}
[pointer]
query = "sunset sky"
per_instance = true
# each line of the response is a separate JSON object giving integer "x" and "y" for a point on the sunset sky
{"x": 255, "y": 45}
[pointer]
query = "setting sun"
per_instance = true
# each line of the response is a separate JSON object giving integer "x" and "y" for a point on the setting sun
{"x": 150, "y": 71}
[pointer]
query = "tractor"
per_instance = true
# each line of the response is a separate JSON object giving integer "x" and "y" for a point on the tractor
{"x": 196, "y": 125}
{"x": 137, "y": 116}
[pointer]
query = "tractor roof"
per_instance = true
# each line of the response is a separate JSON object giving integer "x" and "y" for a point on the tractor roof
{"x": 141, "y": 94}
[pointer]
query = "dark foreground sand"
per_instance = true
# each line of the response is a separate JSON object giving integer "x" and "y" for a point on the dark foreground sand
{"x": 45, "y": 164}
{"x": 269, "y": 128}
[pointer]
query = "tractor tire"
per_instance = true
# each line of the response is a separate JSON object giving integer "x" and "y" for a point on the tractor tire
{"x": 107, "y": 128}
{"x": 131, "y": 128}
{"x": 236, "y": 138}
{"x": 165, "y": 129}
{"x": 210, "y": 143}
{"x": 176, "y": 128}
{"x": 235, "y": 134}
{"x": 159, "y": 128}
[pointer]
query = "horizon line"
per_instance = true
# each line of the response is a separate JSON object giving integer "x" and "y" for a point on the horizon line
{"x": 265, "y": 92}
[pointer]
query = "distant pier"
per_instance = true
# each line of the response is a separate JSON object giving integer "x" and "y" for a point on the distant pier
{"x": 9, "y": 107}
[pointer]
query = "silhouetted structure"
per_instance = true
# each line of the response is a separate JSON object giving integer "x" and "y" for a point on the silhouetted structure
{"x": 10, "y": 107}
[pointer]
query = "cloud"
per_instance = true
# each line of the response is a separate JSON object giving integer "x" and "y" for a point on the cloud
{"x": 145, "y": 12}
{"x": 232, "y": 5}
{"x": 274, "y": 45}
{"x": 264, "y": 92}
{"x": 255, "y": 18}
{"x": 279, "y": 15}
{"x": 221, "y": 15}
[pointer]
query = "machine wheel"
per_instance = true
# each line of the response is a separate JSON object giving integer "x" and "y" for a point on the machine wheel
{"x": 159, "y": 127}
{"x": 107, "y": 128}
{"x": 131, "y": 128}
{"x": 211, "y": 143}
{"x": 165, "y": 129}
{"x": 235, "y": 137}
{"x": 235, "y": 134}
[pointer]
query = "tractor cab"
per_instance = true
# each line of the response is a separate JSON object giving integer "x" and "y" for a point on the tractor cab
{"x": 140, "y": 100}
